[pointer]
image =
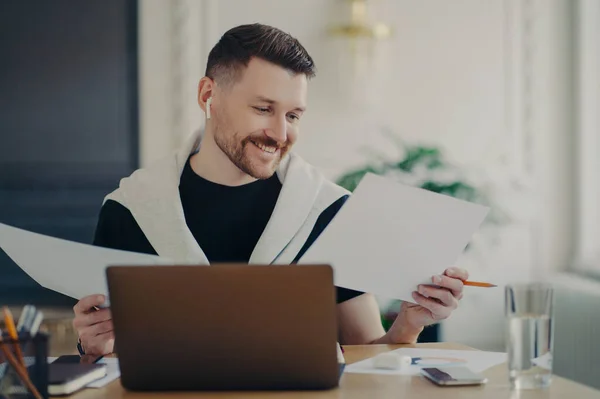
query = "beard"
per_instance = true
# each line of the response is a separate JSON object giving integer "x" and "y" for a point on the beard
{"x": 237, "y": 150}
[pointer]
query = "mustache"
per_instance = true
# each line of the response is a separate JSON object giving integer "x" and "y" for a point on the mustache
{"x": 266, "y": 141}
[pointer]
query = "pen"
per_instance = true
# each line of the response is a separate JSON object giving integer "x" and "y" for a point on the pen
{"x": 26, "y": 318}
{"x": 12, "y": 333}
{"x": 35, "y": 324}
{"x": 478, "y": 284}
{"x": 21, "y": 370}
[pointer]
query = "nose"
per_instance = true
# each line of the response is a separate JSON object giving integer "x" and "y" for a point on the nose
{"x": 278, "y": 130}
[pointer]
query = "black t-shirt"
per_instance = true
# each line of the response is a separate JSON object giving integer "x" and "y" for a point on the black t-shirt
{"x": 225, "y": 221}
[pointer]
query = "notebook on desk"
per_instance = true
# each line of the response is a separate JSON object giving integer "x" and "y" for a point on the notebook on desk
{"x": 64, "y": 379}
{"x": 225, "y": 327}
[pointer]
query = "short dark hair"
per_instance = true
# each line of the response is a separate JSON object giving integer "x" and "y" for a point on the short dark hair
{"x": 239, "y": 45}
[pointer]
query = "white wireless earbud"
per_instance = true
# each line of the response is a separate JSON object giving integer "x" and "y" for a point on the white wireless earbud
{"x": 208, "y": 102}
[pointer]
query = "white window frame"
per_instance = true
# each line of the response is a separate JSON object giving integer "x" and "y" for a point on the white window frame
{"x": 587, "y": 24}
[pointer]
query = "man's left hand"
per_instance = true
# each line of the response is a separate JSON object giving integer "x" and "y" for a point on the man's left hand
{"x": 433, "y": 303}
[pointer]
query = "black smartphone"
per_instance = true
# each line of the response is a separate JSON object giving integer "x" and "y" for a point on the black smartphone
{"x": 76, "y": 359}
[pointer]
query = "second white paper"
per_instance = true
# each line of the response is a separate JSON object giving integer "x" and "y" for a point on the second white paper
{"x": 389, "y": 237}
{"x": 71, "y": 268}
{"x": 476, "y": 361}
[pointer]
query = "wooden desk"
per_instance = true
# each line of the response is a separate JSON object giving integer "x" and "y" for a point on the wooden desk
{"x": 363, "y": 386}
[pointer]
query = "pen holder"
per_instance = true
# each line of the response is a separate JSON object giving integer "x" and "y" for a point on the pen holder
{"x": 35, "y": 354}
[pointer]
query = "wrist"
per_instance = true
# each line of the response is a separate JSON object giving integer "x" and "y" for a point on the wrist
{"x": 403, "y": 332}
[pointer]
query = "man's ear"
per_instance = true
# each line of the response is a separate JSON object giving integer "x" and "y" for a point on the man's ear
{"x": 206, "y": 89}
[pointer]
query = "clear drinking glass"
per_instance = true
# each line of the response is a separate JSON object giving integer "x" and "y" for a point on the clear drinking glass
{"x": 529, "y": 311}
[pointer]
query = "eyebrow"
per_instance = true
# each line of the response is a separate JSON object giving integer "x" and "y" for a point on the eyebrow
{"x": 269, "y": 101}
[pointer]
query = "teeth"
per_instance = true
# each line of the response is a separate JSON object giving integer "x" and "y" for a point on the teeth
{"x": 263, "y": 147}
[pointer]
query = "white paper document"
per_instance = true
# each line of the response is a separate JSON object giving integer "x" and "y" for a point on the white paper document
{"x": 71, "y": 268}
{"x": 476, "y": 361}
{"x": 389, "y": 237}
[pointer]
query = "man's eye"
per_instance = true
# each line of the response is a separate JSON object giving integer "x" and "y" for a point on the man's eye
{"x": 262, "y": 110}
{"x": 293, "y": 117}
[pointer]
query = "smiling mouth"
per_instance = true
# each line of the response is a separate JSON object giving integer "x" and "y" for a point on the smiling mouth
{"x": 265, "y": 148}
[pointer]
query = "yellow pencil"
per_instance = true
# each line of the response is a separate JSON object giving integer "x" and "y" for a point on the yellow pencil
{"x": 12, "y": 333}
{"x": 478, "y": 284}
{"x": 20, "y": 369}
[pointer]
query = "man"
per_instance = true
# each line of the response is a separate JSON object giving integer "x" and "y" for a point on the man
{"x": 236, "y": 193}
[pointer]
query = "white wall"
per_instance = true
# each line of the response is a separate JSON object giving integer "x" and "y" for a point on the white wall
{"x": 155, "y": 92}
{"x": 488, "y": 81}
{"x": 170, "y": 66}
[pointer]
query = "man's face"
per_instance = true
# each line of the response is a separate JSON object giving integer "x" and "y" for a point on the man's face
{"x": 256, "y": 119}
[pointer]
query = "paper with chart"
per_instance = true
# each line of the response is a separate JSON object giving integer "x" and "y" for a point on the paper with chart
{"x": 71, "y": 268}
{"x": 390, "y": 237}
{"x": 476, "y": 361}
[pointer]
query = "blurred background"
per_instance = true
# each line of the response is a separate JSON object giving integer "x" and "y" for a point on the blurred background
{"x": 494, "y": 101}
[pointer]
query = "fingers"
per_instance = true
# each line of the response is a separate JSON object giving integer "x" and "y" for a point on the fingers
{"x": 97, "y": 339}
{"x": 84, "y": 320}
{"x": 458, "y": 273}
{"x": 94, "y": 326}
{"x": 438, "y": 311}
{"x": 455, "y": 285}
{"x": 102, "y": 344}
{"x": 441, "y": 298}
{"x": 445, "y": 297}
{"x": 96, "y": 329}
{"x": 88, "y": 303}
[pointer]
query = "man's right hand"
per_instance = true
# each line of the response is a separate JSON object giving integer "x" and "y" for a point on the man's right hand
{"x": 94, "y": 325}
